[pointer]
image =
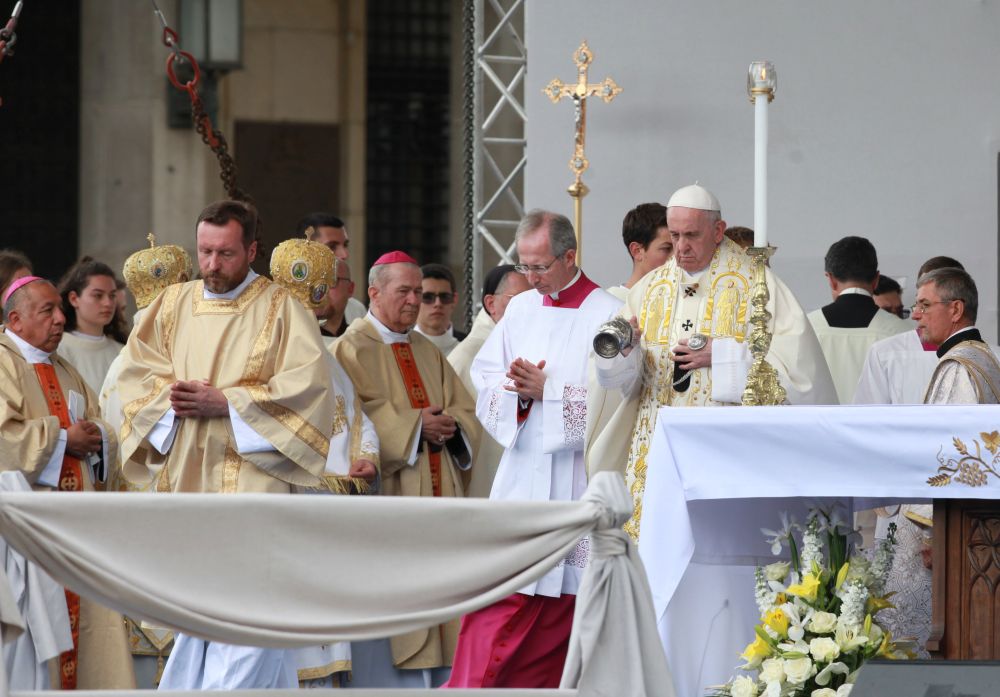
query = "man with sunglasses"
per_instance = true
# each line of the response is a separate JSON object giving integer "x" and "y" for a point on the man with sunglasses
{"x": 437, "y": 303}
{"x": 888, "y": 295}
{"x": 531, "y": 378}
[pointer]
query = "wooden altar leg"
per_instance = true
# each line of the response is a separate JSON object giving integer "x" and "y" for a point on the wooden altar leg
{"x": 965, "y": 595}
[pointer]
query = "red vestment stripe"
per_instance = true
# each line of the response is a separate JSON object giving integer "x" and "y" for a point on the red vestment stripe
{"x": 418, "y": 400}
{"x": 70, "y": 479}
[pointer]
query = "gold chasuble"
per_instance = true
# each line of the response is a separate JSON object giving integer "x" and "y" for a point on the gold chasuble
{"x": 33, "y": 409}
{"x": 383, "y": 375}
{"x": 671, "y": 305}
{"x": 263, "y": 351}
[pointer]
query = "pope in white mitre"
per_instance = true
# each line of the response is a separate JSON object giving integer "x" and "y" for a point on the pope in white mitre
{"x": 693, "y": 316}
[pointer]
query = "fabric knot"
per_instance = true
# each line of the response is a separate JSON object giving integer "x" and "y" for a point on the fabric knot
{"x": 608, "y": 543}
{"x": 614, "y": 503}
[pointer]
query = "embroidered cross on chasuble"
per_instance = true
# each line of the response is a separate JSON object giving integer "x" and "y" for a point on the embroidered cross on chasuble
{"x": 70, "y": 479}
{"x": 418, "y": 400}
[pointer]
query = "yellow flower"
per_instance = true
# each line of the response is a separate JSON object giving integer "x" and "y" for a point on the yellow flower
{"x": 756, "y": 651}
{"x": 777, "y": 620}
{"x": 842, "y": 574}
{"x": 780, "y": 599}
{"x": 876, "y": 604}
{"x": 807, "y": 589}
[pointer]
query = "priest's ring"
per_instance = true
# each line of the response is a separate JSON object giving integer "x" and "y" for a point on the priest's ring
{"x": 697, "y": 342}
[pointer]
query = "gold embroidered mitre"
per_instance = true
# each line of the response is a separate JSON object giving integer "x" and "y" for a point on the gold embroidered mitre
{"x": 149, "y": 271}
{"x": 304, "y": 269}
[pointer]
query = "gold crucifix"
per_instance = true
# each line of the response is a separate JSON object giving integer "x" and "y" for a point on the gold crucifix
{"x": 556, "y": 90}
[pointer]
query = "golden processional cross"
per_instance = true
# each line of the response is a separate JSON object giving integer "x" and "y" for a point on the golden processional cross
{"x": 556, "y": 90}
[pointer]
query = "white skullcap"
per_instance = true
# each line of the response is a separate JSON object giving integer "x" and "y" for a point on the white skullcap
{"x": 694, "y": 196}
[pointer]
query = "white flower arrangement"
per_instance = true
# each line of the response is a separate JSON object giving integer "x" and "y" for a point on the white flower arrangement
{"x": 817, "y": 610}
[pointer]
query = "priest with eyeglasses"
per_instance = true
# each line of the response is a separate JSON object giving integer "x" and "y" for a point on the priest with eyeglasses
{"x": 531, "y": 378}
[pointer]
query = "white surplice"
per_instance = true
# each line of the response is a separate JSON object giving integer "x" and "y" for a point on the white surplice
{"x": 42, "y": 604}
{"x": 544, "y": 453}
{"x": 845, "y": 348}
{"x": 897, "y": 371}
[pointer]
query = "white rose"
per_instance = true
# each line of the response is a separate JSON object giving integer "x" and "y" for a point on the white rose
{"x": 824, "y": 649}
{"x": 773, "y": 670}
{"x": 777, "y": 571}
{"x": 798, "y": 670}
{"x": 744, "y": 687}
{"x": 845, "y": 689}
{"x": 823, "y": 623}
{"x": 823, "y": 692}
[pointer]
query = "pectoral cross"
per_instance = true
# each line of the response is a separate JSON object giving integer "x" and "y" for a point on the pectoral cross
{"x": 556, "y": 90}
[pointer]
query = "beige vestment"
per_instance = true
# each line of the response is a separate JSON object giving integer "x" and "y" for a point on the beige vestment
{"x": 263, "y": 350}
{"x": 28, "y": 437}
{"x": 969, "y": 373}
{"x": 371, "y": 365}
{"x": 490, "y": 452}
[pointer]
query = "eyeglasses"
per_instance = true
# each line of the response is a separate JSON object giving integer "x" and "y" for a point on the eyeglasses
{"x": 429, "y": 298}
{"x": 923, "y": 306}
{"x": 535, "y": 268}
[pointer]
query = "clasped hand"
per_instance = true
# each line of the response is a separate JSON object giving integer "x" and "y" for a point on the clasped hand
{"x": 83, "y": 438}
{"x": 528, "y": 379}
{"x": 436, "y": 426}
{"x": 194, "y": 398}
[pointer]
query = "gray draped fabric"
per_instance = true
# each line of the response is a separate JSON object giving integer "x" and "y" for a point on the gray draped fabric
{"x": 286, "y": 571}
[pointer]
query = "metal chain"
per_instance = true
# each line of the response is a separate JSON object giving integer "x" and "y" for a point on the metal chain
{"x": 213, "y": 138}
{"x": 210, "y": 136}
{"x": 7, "y": 36}
{"x": 468, "y": 151}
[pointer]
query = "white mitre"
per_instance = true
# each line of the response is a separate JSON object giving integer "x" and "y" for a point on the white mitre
{"x": 694, "y": 196}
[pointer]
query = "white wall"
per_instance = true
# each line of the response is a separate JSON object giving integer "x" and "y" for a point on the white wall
{"x": 885, "y": 125}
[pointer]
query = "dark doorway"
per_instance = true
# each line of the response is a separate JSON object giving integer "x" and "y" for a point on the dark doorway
{"x": 40, "y": 132}
{"x": 289, "y": 169}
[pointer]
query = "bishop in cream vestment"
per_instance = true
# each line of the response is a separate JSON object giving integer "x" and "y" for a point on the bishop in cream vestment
{"x": 29, "y": 436}
{"x": 371, "y": 365}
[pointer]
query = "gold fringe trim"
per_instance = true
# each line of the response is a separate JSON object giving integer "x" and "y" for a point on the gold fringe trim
{"x": 340, "y": 666}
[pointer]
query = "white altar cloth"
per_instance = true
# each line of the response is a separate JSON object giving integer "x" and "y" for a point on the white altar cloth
{"x": 717, "y": 476}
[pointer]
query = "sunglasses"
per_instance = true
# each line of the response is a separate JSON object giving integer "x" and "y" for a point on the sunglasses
{"x": 429, "y": 298}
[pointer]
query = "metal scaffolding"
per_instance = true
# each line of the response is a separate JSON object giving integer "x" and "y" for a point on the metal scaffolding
{"x": 495, "y": 148}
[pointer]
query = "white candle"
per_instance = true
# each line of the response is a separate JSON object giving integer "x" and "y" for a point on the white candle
{"x": 760, "y": 171}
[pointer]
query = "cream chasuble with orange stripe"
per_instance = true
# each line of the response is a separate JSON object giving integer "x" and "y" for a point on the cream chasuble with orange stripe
{"x": 394, "y": 381}
{"x": 263, "y": 350}
{"x": 29, "y": 432}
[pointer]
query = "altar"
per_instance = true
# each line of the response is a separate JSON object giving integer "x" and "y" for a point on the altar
{"x": 717, "y": 476}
